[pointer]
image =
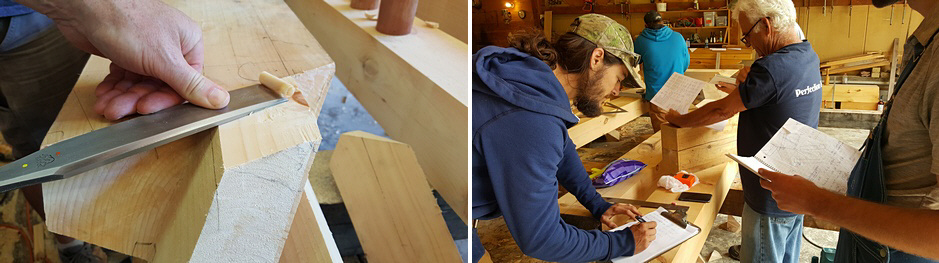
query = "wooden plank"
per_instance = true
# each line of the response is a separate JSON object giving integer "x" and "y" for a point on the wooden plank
{"x": 856, "y": 93}
{"x": 877, "y": 63}
{"x": 851, "y": 59}
{"x": 419, "y": 97}
{"x": 164, "y": 195}
{"x": 394, "y": 212}
{"x": 589, "y": 129}
{"x": 639, "y": 186}
{"x": 692, "y": 149}
{"x": 679, "y": 139}
{"x": 715, "y": 181}
{"x": 310, "y": 239}
{"x": 451, "y": 14}
{"x": 893, "y": 67}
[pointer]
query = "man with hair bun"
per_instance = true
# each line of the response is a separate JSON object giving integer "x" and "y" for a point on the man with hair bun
{"x": 521, "y": 150}
{"x": 782, "y": 84}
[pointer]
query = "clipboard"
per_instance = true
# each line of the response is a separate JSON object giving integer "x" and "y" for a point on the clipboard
{"x": 662, "y": 244}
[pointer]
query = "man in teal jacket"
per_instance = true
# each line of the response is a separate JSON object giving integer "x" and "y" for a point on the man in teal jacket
{"x": 663, "y": 51}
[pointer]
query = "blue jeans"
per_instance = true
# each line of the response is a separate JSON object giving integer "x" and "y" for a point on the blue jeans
{"x": 770, "y": 239}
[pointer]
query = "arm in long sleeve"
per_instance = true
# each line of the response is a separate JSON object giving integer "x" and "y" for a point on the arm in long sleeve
{"x": 574, "y": 178}
{"x": 522, "y": 152}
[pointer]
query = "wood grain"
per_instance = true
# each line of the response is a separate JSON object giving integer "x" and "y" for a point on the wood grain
{"x": 391, "y": 206}
{"x": 154, "y": 205}
{"x": 415, "y": 87}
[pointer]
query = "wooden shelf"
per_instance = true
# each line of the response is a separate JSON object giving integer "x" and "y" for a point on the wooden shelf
{"x": 699, "y": 27}
{"x": 693, "y": 11}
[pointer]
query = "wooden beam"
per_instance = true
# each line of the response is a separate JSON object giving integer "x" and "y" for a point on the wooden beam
{"x": 310, "y": 239}
{"x": 692, "y": 149}
{"x": 589, "y": 129}
{"x": 851, "y": 59}
{"x": 876, "y": 63}
{"x": 451, "y": 14}
{"x": 180, "y": 201}
{"x": 415, "y": 86}
{"x": 393, "y": 211}
{"x": 893, "y": 67}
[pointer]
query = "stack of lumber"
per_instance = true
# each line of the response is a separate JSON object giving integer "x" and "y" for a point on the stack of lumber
{"x": 730, "y": 58}
{"x": 851, "y": 64}
{"x": 236, "y": 193}
{"x": 850, "y": 97}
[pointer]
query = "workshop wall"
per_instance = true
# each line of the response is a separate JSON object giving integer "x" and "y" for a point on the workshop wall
{"x": 835, "y": 32}
{"x": 845, "y": 30}
{"x": 491, "y": 24}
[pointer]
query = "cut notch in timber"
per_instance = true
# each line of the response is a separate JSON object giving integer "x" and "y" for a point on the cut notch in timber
{"x": 391, "y": 206}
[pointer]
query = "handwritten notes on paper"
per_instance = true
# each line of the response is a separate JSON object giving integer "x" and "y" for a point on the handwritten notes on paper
{"x": 667, "y": 236}
{"x": 797, "y": 149}
{"x": 678, "y": 93}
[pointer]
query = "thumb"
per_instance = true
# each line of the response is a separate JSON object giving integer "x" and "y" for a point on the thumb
{"x": 193, "y": 86}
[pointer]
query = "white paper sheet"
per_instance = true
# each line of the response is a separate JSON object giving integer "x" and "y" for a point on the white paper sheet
{"x": 797, "y": 149}
{"x": 667, "y": 236}
{"x": 678, "y": 93}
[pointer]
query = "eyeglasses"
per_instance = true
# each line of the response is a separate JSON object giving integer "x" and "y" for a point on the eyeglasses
{"x": 744, "y": 38}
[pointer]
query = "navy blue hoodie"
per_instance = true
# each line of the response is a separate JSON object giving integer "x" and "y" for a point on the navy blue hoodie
{"x": 521, "y": 151}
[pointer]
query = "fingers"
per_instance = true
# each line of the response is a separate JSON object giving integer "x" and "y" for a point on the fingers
{"x": 116, "y": 74}
{"x": 161, "y": 99}
{"x": 126, "y": 103}
{"x": 626, "y": 209}
{"x": 193, "y": 86}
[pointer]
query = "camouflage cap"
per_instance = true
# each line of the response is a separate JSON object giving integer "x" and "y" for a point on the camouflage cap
{"x": 613, "y": 38}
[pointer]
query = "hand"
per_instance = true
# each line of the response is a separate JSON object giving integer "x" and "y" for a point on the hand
{"x": 673, "y": 117}
{"x": 643, "y": 234}
{"x": 156, "y": 53}
{"x": 794, "y": 193}
{"x": 742, "y": 74}
{"x": 726, "y": 87}
{"x": 618, "y": 209}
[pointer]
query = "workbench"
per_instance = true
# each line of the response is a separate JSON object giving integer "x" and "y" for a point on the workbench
{"x": 715, "y": 180}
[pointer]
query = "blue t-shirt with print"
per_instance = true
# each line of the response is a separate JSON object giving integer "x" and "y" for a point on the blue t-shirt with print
{"x": 782, "y": 85}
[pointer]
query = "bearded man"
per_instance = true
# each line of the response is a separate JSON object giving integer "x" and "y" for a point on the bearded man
{"x": 521, "y": 149}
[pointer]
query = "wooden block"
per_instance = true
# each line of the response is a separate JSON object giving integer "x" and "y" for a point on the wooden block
{"x": 310, "y": 239}
{"x": 186, "y": 200}
{"x": 589, "y": 129}
{"x": 679, "y": 139}
{"x": 393, "y": 210}
{"x": 693, "y": 149}
{"x": 418, "y": 97}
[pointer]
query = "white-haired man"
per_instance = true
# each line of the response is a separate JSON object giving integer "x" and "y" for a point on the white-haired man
{"x": 783, "y": 83}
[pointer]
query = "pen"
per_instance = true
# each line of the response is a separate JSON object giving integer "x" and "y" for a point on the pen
{"x": 639, "y": 218}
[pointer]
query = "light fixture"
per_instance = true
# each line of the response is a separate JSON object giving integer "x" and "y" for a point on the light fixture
{"x": 509, "y": 5}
